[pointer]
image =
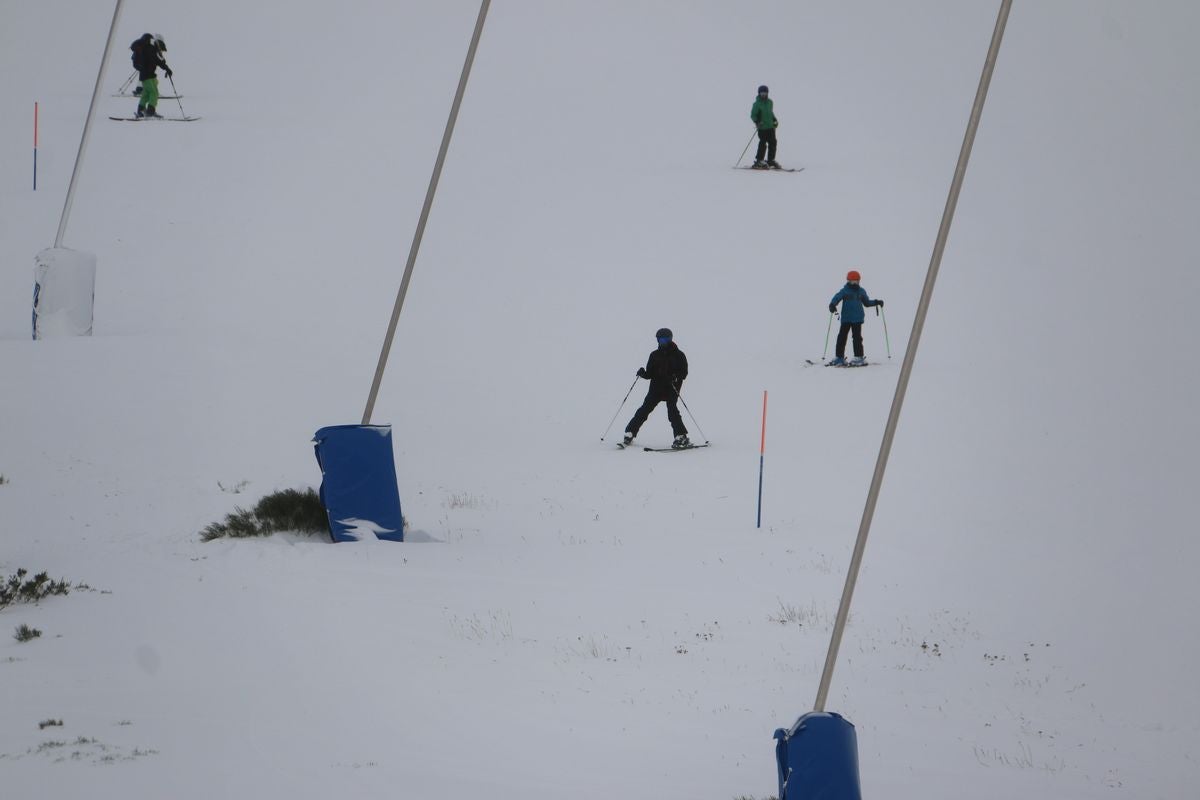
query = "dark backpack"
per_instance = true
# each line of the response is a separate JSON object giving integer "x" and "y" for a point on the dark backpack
{"x": 143, "y": 55}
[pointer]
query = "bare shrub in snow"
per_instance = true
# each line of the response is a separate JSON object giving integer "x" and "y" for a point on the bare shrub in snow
{"x": 288, "y": 510}
{"x": 16, "y": 589}
{"x": 25, "y": 633}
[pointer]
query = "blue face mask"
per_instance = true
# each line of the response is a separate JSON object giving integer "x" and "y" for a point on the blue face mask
{"x": 663, "y": 340}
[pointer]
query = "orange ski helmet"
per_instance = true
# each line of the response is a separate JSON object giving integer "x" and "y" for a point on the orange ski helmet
{"x": 853, "y": 275}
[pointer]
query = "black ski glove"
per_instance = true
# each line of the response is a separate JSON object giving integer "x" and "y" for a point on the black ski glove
{"x": 168, "y": 71}
{"x": 641, "y": 372}
{"x": 833, "y": 308}
{"x": 879, "y": 303}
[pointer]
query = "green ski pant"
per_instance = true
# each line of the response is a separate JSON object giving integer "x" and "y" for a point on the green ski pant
{"x": 149, "y": 93}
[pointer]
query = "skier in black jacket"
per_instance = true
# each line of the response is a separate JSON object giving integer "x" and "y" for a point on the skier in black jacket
{"x": 147, "y": 58}
{"x": 666, "y": 369}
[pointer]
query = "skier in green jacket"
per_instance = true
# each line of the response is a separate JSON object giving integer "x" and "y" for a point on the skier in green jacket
{"x": 763, "y": 114}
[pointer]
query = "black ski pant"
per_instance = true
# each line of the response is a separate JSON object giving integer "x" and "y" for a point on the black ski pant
{"x": 653, "y": 398}
{"x": 766, "y": 144}
{"x": 848, "y": 327}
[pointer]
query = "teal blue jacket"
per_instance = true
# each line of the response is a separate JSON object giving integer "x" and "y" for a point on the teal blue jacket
{"x": 852, "y": 297}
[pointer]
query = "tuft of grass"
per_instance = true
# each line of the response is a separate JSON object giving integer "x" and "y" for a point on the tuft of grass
{"x": 801, "y": 616}
{"x": 16, "y": 589}
{"x": 46, "y": 723}
{"x": 288, "y": 510}
{"x": 462, "y": 501}
{"x": 25, "y": 633}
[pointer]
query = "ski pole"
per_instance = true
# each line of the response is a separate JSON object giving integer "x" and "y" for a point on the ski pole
{"x": 885, "y": 333}
{"x": 762, "y": 450}
{"x": 175, "y": 91}
{"x": 747, "y": 147}
{"x": 679, "y": 397}
{"x": 828, "y": 328}
{"x": 128, "y": 81}
{"x": 614, "y": 419}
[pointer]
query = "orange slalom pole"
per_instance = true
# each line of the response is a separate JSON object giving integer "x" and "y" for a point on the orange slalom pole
{"x": 762, "y": 449}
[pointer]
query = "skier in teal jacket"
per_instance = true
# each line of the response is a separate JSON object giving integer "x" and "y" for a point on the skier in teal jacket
{"x": 853, "y": 299}
{"x": 763, "y": 115}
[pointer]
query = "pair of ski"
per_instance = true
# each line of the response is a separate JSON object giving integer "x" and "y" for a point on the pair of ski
{"x": 847, "y": 365}
{"x": 154, "y": 119}
{"x": 623, "y": 446}
{"x": 773, "y": 169}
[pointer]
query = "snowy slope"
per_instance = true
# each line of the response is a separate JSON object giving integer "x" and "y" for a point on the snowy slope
{"x": 567, "y": 618}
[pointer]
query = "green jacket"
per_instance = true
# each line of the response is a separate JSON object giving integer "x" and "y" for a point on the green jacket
{"x": 763, "y": 113}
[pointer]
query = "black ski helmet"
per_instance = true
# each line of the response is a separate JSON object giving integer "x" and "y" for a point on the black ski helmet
{"x": 664, "y": 333}
{"x": 763, "y": 90}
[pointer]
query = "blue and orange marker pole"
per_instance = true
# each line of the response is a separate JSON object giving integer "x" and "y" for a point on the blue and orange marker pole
{"x": 762, "y": 450}
{"x": 35, "y": 132}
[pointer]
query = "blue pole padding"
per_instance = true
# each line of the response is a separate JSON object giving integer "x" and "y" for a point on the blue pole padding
{"x": 358, "y": 482}
{"x": 35, "y": 169}
{"x": 818, "y": 758}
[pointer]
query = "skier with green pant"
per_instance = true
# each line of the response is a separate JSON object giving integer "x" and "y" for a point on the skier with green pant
{"x": 147, "y": 58}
